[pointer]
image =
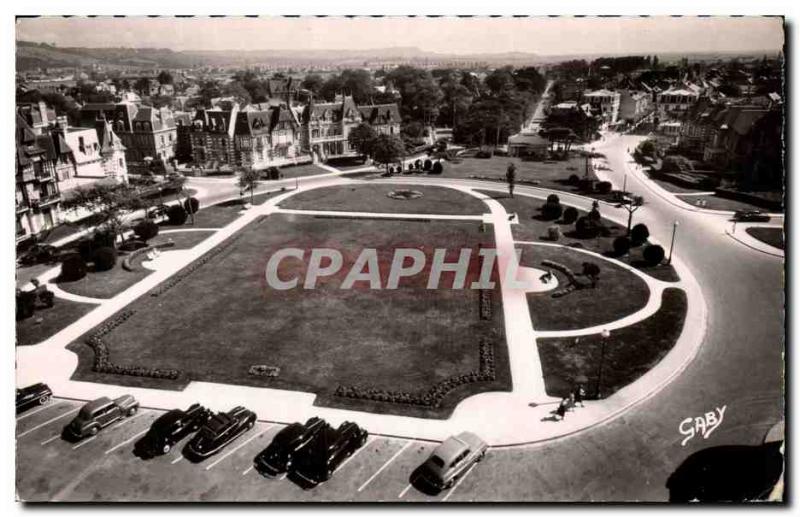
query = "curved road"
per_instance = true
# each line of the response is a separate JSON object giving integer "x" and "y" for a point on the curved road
{"x": 740, "y": 366}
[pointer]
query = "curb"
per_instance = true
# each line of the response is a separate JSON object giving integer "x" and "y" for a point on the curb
{"x": 776, "y": 253}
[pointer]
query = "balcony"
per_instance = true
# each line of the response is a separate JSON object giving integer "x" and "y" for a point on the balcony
{"x": 44, "y": 200}
{"x": 21, "y": 205}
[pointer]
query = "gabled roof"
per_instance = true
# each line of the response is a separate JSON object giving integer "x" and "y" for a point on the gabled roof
{"x": 380, "y": 113}
{"x": 159, "y": 118}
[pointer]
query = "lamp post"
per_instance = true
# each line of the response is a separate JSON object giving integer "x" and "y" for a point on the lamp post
{"x": 672, "y": 243}
{"x": 603, "y": 340}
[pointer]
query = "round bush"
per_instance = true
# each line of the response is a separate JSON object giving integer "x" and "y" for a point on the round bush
{"x": 653, "y": 255}
{"x": 639, "y": 233}
{"x": 145, "y": 230}
{"x": 604, "y": 187}
{"x": 105, "y": 239}
{"x": 105, "y": 258}
{"x": 418, "y": 164}
{"x": 574, "y": 179}
{"x": 191, "y": 205}
{"x": 551, "y": 211}
{"x": 587, "y": 227}
{"x": 427, "y": 165}
{"x": 553, "y": 198}
{"x": 622, "y": 245}
{"x": 176, "y": 215}
{"x": 73, "y": 268}
{"x": 570, "y": 215}
{"x": 86, "y": 249}
{"x": 437, "y": 168}
{"x": 591, "y": 269}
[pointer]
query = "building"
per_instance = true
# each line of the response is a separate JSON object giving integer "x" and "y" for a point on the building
{"x": 676, "y": 102}
{"x": 326, "y": 127}
{"x": 37, "y": 193}
{"x": 268, "y": 137}
{"x": 212, "y": 138}
{"x": 634, "y": 105}
{"x": 605, "y": 104}
{"x": 528, "y": 145}
{"x": 384, "y": 118}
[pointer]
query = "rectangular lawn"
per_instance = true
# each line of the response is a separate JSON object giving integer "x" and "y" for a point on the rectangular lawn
{"x": 223, "y": 318}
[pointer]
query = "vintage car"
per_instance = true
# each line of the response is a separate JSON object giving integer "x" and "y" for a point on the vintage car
{"x": 451, "y": 459}
{"x": 329, "y": 448}
{"x": 277, "y": 457}
{"x": 220, "y": 430}
{"x": 172, "y": 427}
{"x": 34, "y": 395}
{"x": 754, "y": 216}
{"x": 100, "y": 413}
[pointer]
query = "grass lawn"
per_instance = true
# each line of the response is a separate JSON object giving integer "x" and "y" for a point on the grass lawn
{"x": 299, "y": 171}
{"x": 718, "y": 203}
{"x": 533, "y": 229}
{"x": 772, "y": 236}
{"x": 63, "y": 313}
{"x": 675, "y": 189}
{"x": 373, "y": 198}
{"x": 25, "y": 274}
{"x": 405, "y": 339}
{"x": 630, "y": 352}
{"x": 107, "y": 284}
{"x": 618, "y": 293}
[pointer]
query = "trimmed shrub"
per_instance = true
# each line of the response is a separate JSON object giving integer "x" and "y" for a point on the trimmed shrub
{"x": 639, "y": 234}
{"x": 105, "y": 258}
{"x": 418, "y": 164}
{"x": 272, "y": 173}
{"x": 73, "y": 268}
{"x": 586, "y": 184}
{"x": 551, "y": 211}
{"x": 574, "y": 179}
{"x": 427, "y": 165}
{"x": 553, "y": 233}
{"x": 622, "y": 245}
{"x": 105, "y": 239}
{"x": 86, "y": 249}
{"x": 604, "y": 187}
{"x": 594, "y": 215}
{"x": 191, "y": 205}
{"x": 145, "y": 230}
{"x": 26, "y": 304}
{"x": 437, "y": 168}
{"x": 176, "y": 215}
{"x": 653, "y": 255}
{"x": 553, "y": 198}
{"x": 587, "y": 228}
{"x": 570, "y": 215}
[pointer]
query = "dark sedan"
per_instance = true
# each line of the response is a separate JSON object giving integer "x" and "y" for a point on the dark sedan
{"x": 317, "y": 462}
{"x": 34, "y": 395}
{"x": 277, "y": 457}
{"x": 751, "y": 216}
{"x": 219, "y": 431}
{"x": 172, "y": 427}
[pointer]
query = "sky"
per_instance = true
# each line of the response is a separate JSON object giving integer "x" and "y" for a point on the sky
{"x": 540, "y": 35}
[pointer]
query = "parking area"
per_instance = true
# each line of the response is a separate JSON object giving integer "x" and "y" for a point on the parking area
{"x": 104, "y": 467}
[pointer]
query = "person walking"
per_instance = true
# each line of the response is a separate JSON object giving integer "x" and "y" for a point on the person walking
{"x": 511, "y": 178}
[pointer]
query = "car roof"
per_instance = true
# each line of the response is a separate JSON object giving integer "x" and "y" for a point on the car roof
{"x": 450, "y": 448}
{"x": 218, "y": 422}
{"x": 96, "y": 404}
{"x": 168, "y": 418}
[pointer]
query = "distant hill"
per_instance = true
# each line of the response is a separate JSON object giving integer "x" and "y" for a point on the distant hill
{"x": 32, "y": 55}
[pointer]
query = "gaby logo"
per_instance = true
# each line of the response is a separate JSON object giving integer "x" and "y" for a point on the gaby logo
{"x": 406, "y": 263}
{"x": 701, "y": 425}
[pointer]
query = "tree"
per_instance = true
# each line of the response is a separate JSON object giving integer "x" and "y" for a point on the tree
{"x": 420, "y": 94}
{"x": 248, "y": 180}
{"x": 209, "y": 90}
{"x": 362, "y": 138}
{"x": 237, "y": 90}
{"x": 313, "y": 83}
{"x": 387, "y": 149}
{"x": 357, "y": 83}
{"x": 639, "y": 233}
{"x": 108, "y": 203}
{"x": 142, "y": 85}
{"x": 631, "y": 204}
{"x": 146, "y": 230}
{"x": 164, "y": 77}
{"x": 592, "y": 271}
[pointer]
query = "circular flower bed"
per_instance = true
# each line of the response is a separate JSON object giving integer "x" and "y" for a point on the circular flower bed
{"x": 405, "y": 194}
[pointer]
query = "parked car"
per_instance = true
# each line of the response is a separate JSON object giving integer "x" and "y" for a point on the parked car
{"x": 172, "y": 427}
{"x": 34, "y": 395}
{"x": 452, "y": 458}
{"x": 100, "y": 413}
{"x": 220, "y": 430}
{"x": 277, "y": 457}
{"x": 754, "y": 216}
{"x": 329, "y": 448}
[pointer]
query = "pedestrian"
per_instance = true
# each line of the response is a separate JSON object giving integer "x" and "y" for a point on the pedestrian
{"x": 579, "y": 394}
{"x": 562, "y": 408}
{"x": 511, "y": 178}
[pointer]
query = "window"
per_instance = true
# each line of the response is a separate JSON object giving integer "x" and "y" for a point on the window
{"x": 121, "y": 162}
{"x": 81, "y": 145}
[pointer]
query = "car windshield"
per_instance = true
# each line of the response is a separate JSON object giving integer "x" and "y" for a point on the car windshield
{"x": 436, "y": 460}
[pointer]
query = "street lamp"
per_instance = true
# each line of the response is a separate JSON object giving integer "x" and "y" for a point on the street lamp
{"x": 672, "y": 243}
{"x": 603, "y": 340}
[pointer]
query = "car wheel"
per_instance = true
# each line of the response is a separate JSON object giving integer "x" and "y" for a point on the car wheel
{"x": 250, "y": 424}
{"x": 166, "y": 448}
{"x": 481, "y": 456}
{"x": 449, "y": 484}
{"x": 44, "y": 399}
{"x": 94, "y": 430}
{"x": 132, "y": 411}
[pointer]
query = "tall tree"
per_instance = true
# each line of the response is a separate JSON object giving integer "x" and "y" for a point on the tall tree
{"x": 387, "y": 149}
{"x": 313, "y": 83}
{"x": 109, "y": 203}
{"x": 164, "y": 77}
{"x": 248, "y": 180}
{"x": 362, "y": 138}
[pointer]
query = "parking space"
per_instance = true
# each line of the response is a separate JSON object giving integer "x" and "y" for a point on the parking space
{"x": 105, "y": 468}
